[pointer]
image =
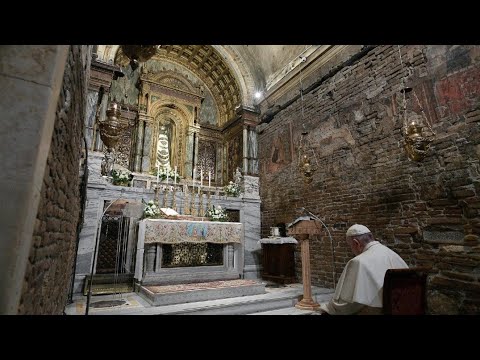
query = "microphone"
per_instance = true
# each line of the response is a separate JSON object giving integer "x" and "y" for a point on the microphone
{"x": 309, "y": 213}
{"x": 303, "y": 209}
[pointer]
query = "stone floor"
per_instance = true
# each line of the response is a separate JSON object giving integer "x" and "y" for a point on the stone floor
{"x": 277, "y": 300}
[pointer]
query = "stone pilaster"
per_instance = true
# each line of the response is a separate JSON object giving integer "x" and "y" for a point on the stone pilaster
{"x": 147, "y": 144}
{"x": 245, "y": 149}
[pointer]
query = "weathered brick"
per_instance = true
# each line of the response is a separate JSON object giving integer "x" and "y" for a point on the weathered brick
{"x": 439, "y": 281}
{"x": 364, "y": 175}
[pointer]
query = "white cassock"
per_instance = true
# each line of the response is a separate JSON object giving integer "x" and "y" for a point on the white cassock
{"x": 361, "y": 282}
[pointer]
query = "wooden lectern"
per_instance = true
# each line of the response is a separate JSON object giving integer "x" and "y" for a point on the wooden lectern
{"x": 301, "y": 229}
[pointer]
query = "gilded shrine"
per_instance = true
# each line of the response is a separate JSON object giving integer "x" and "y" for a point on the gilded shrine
{"x": 184, "y": 133}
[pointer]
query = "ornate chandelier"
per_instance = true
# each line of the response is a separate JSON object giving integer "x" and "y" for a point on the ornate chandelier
{"x": 139, "y": 53}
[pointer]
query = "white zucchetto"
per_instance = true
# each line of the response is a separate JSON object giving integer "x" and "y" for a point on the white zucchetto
{"x": 357, "y": 229}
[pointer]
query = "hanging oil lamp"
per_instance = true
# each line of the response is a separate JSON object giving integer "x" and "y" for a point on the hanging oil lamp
{"x": 110, "y": 131}
{"x": 416, "y": 141}
{"x": 307, "y": 168}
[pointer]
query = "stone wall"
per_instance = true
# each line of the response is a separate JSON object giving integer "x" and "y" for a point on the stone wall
{"x": 428, "y": 212}
{"x": 50, "y": 264}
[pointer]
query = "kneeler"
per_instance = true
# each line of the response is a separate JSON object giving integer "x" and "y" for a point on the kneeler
{"x": 404, "y": 291}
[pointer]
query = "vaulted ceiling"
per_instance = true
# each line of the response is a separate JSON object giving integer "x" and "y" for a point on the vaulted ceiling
{"x": 233, "y": 73}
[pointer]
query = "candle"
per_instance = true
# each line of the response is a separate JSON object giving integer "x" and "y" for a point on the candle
{"x": 209, "y": 179}
{"x": 167, "y": 178}
{"x": 158, "y": 173}
{"x": 201, "y": 177}
{"x": 175, "y": 178}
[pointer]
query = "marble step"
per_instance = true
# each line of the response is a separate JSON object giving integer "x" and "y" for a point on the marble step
{"x": 284, "y": 298}
{"x": 197, "y": 292}
{"x": 292, "y": 310}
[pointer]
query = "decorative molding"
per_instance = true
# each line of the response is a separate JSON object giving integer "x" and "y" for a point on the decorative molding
{"x": 101, "y": 75}
{"x": 321, "y": 56}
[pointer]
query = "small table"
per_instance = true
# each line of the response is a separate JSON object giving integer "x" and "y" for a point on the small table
{"x": 278, "y": 259}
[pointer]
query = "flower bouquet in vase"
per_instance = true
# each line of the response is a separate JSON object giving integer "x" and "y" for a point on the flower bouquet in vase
{"x": 217, "y": 213}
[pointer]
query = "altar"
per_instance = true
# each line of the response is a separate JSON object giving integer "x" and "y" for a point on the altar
{"x": 177, "y": 251}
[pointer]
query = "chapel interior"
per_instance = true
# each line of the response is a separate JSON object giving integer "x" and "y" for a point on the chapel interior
{"x": 261, "y": 157}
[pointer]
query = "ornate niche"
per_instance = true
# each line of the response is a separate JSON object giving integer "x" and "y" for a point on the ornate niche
{"x": 172, "y": 102}
{"x": 170, "y": 125}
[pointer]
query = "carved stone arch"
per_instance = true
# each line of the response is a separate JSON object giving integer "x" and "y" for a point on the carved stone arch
{"x": 235, "y": 61}
{"x": 241, "y": 71}
{"x": 173, "y": 104}
{"x": 175, "y": 80}
{"x": 107, "y": 53}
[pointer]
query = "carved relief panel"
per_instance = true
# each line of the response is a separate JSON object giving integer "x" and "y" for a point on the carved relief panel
{"x": 207, "y": 158}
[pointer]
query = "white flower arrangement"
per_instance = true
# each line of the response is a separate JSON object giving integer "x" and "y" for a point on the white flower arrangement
{"x": 164, "y": 171}
{"x": 121, "y": 177}
{"x": 151, "y": 210}
{"x": 232, "y": 189}
{"x": 217, "y": 213}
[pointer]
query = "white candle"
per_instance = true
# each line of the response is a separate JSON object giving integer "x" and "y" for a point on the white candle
{"x": 209, "y": 180}
{"x": 158, "y": 173}
{"x": 175, "y": 178}
{"x": 201, "y": 177}
{"x": 167, "y": 178}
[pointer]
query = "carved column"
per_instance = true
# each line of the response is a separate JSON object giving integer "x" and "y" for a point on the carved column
{"x": 139, "y": 145}
{"x": 192, "y": 147}
{"x": 195, "y": 160}
{"x": 147, "y": 143}
{"x": 249, "y": 119}
{"x": 245, "y": 149}
{"x": 219, "y": 164}
{"x": 252, "y": 152}
{"x": 151, "y": 254}
{"x": 149, "y": 100}
{"x": 230, "y": 256}
{"x": 92, "y": 99}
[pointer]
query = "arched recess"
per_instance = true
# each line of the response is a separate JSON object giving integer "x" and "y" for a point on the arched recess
{"x": 233, "y": 59}
{"x": 242, "y": 73}
{"x": 178, "y": 118}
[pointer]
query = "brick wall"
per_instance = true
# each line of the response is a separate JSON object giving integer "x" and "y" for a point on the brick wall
{"x": 428, "y": 212}
{"x": 49, "y": 269}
